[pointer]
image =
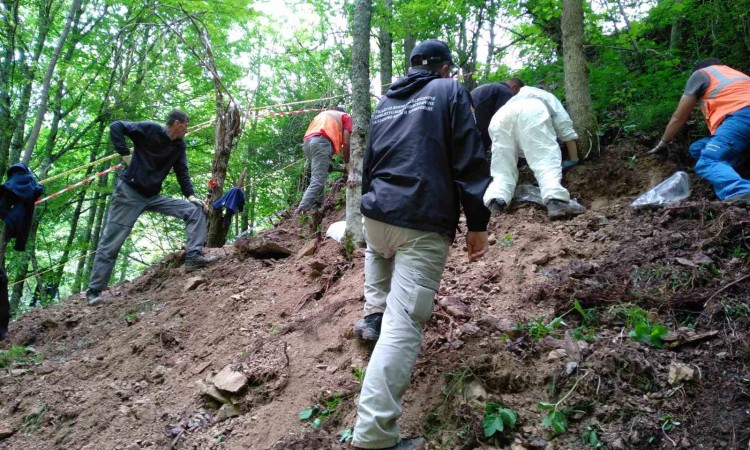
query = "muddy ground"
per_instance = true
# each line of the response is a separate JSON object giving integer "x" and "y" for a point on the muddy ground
{"x": 229, "y": 356}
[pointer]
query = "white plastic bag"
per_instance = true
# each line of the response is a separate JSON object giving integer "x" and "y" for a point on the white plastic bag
{"x": 336, "y": 231}
{"x": 672, "y": 190}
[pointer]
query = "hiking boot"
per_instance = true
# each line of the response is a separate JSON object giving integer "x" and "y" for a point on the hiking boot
{"x": 497, "y": 205}
{"x": 198, "y": 261}
{"x": 558, "y": 209}
{"x": 405, "y": 444}
{"x": 368, "y": 328}
{"x": 93, "y": 297}
{"x": 740, "y": 199}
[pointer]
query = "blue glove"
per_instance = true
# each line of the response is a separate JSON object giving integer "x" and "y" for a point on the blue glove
{"x": 566, "y": 165}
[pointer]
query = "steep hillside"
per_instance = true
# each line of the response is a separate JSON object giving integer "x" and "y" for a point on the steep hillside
{"x": 544, "y": 317}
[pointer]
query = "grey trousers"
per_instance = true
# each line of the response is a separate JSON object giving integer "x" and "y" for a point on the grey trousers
{"x": 403, "y": 268}
{"x": 127, "y": 205}
{"x": 318, "y": 151}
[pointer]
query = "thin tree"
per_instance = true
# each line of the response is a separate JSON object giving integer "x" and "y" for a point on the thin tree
{"x": 360, "y": 116}
{"x": 577, "y": 92}
{"x": 34, "y": 134}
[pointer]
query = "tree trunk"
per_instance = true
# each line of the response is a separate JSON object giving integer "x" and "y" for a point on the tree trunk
{"x": 57, "y": 278}
{"x": 360, "y": 117}
{"x": 34, "y": 134}
{"x": 675, "y": 34}
{"x": 386, "y": 47}
{"x": 101, "y": 213}
{"x": 577, "y": 92}
{"x": 228, "y": 128}
{"x": 7, "y": 67}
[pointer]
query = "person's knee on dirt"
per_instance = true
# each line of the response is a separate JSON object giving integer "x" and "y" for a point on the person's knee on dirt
{"x": 327, "y": 135}
{"x": 157, "y": 151}
{"x": 724, "y": 97}
{"x": 408, "y": 226}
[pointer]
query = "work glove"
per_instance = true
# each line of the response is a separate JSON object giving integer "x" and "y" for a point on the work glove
{"x": 198, "y": 202}
{"x": 659, "y": 147}
{"x": 126, "y": 159}
{"x": 567, "y": 165}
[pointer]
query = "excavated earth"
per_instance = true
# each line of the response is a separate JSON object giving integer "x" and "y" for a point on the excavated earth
{"x": 229, "y": 356}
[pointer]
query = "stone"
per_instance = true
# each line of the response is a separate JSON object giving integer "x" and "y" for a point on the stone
{"x": 685, "y": 262}
{"x": 455, "y": 307}
{"x": 226, "y": 412}
{"x": 230, "y": 380}
{"x": 680, "y": 372}
{"x": 542, "y": 260}
{"x": 556, "y": 355}
{"x": 317, "y": 265}
{"x": 474, "y": 391}
{"x": 193, "y": 282}
{"x": 702, "y": 259}
{"x": 469, "y": 329}
{"x": 6, "y": 430}
{"x": 212, "y": 392}
{"x": 44, "y": 370}
{"x": 18, "y": 372}
{"x": 308, "y": 249}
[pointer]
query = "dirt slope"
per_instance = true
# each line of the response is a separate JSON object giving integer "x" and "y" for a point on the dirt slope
{"x": 130, "y": 374}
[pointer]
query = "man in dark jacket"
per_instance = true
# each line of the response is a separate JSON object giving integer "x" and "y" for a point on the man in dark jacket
{"x": 424, "y": 162}
{"x": 157, "y": 151}
{"x": 17, "y": 197}
{"x": 488, "y": 98}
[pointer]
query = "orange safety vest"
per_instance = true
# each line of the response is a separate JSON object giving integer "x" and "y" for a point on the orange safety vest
{"x": 330, "y": 125}
{"x": 728, "y": 91}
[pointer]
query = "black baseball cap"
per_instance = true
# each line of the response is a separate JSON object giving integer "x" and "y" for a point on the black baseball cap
{"x": 431, "y": 51}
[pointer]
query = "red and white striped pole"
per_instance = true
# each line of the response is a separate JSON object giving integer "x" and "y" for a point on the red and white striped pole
{"x": 80, "y": 183}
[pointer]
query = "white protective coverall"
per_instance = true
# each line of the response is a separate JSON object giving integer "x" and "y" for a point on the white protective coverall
{"x": 529, "y": 126}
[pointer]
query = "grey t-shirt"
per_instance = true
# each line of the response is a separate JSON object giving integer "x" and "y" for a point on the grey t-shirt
{"x": 697, "y": 84}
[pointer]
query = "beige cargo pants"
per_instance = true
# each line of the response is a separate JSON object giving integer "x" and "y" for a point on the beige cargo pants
{"x": 403, "y": 268}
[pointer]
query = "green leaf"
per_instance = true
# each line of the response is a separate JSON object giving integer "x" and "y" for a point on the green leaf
{"x": 546, "y": 406}
{"x": 509, "y": 417}
{"x": 306, "y": 413}
{"x": 492, "y": 424}
{"x": 492, "y": 407}
{"x": 556, "y": 420}
{"x": 317, "y": 423}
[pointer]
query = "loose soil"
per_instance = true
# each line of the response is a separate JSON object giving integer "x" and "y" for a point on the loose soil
{"x": 131, "y": 373}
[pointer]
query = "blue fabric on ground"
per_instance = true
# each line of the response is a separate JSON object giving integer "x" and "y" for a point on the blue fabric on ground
{"x": 233, "y": 201}
{"x": 719, "y": 155}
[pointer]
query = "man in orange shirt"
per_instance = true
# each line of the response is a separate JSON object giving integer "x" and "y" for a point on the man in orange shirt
{"x": 328, "y": 134}
{"x": 724, "y": 97}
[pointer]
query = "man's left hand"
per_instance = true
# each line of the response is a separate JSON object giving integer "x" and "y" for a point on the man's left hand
{"x": 659, "y": 147}
{"x": 476, "y": 244}
{"x": 198, "y": 202}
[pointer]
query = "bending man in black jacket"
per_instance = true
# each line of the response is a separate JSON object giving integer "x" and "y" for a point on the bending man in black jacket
{"x": 157, "y": 151}
{"x": 425, "y": 160}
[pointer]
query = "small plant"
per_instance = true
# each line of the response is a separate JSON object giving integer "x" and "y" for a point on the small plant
{"x": 32, "y": 422}
{"x": 497, "y": 419}
{"x": 319, "y": 413}
{"x": 20, "y": 355}
{"x": 588, "y": 316}
{"x": 557, "y": 418}
{"x": 303, "y": 219}
{"x": 738, "y": 252}
{"x": 538, "y": 329}
{"x": 506, "y": 241}
{"x": 590, "y": 438}
{"x": 131, "y": 318}
{"x": 669, "y": 422}
{"x": 631, "y": 161}
{"x": 359, "y": 374}
{"x": 649, "y": 333}
{"x": 346, "y": 435}
{"x": 349, "y": 246}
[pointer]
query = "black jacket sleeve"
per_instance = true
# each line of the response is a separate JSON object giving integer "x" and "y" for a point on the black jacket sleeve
{"x": 117, "y": 132}
{"x": 471, "y": 171}
{"x": 183, "y": 175}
